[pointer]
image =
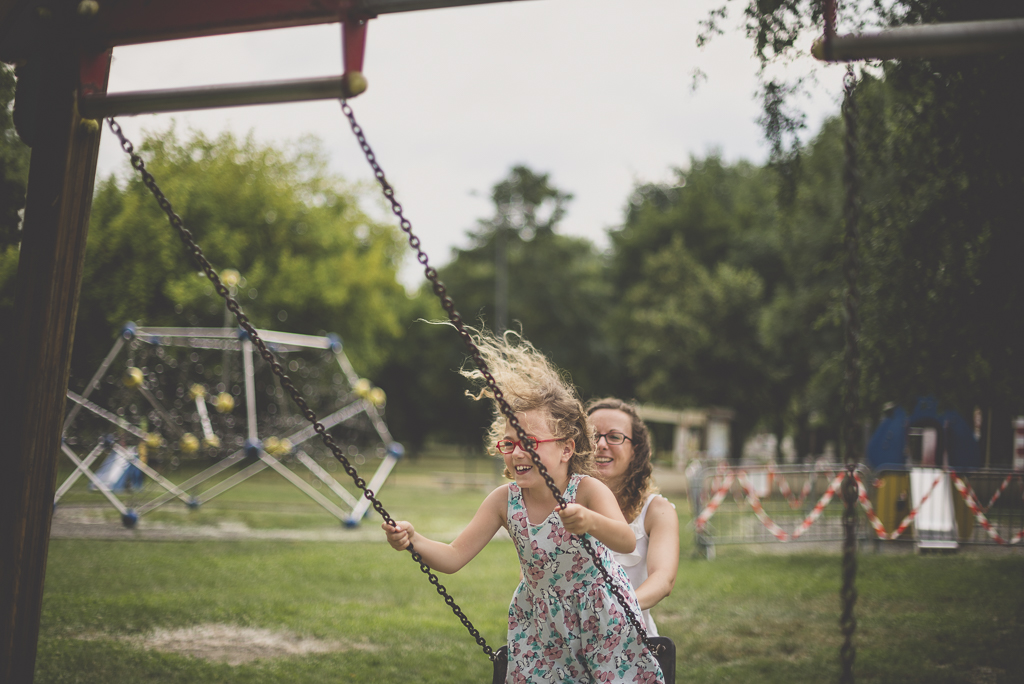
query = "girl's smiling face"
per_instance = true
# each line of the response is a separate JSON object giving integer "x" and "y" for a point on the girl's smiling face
{"x": 554, "y": 454}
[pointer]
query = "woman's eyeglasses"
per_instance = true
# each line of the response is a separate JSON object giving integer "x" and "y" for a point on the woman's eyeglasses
{"x": 507, "y": 446}
{"x": 614, "y": 438}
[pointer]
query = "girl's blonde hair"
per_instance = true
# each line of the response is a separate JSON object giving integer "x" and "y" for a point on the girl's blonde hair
{"x": 528, "y": 381}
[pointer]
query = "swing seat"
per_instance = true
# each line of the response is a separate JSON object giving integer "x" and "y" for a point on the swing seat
{"x": 666, "y": 655}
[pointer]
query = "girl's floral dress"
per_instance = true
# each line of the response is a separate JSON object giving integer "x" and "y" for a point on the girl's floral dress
{"x": 564, "y": 623}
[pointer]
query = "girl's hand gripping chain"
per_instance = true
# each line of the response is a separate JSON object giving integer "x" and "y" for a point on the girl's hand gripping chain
{"x": 577, "y": 519}
{"x": 399, "y": 536}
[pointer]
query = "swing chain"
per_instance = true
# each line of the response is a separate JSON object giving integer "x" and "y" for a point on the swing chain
{"x": 848, "y": 592}
{"x": 232, "y": 304}
{"x": 851, "y": 268}
{"x": 456, "y": 320}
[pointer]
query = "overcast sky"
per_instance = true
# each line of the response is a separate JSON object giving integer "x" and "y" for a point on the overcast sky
{"x": 597, "y": 93}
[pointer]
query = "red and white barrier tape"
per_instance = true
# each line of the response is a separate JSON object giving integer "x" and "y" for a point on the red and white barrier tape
{"x": 795, "y": 501}
{"x": 865, "y": 503}
{"x": 833, "y": 487}
{"x": 755, "y": 503}
{"x": 979, "y": 515}
{"x": 913, "y": 514}
{"x": 770, "y": 525}
{"x": 862, "y": 497}
{"x": 999, "y": 492}
{"x": 715, "y": 502}
{"x": 725, "y": 479}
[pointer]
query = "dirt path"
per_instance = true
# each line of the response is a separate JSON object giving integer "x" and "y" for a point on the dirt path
{"x": 90, "y": 522}
{"x": 231, "y": 644}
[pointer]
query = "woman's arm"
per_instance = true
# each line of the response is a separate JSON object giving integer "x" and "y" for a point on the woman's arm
{"x": 449, "y": 558}
{"x": 597, "y": 513}
{"x": 662, "y": 525}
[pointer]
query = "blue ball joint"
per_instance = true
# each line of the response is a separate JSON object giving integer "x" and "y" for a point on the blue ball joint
{"x": 252, "y": 449}
{"x": 129, "y": 519}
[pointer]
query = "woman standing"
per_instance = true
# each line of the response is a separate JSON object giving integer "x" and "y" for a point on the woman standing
{"x": 623, "y": 459}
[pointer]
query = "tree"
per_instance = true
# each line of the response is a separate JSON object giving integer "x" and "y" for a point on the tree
{"x": 559, "y": 297}
{"x": 14, "y": 157}
{"x": 310, "y": 259}
{"x": 559, "y": 291}
{"x": 941, "y": 195}
{"x": 943, "y": 248}
{"x": 696, "y": 263}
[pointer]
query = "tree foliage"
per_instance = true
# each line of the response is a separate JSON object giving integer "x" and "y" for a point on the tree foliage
{"x": 310, "y": 259}
{"x": 558, "y": 291}
{"x": 14, "y": 157}
{"x": 696, "y": 264}
{"x": 943, "y": 247}
{"x": 558, "y": 297}
{"x": 723, "y": 288}
{"x": 941, "y": 193}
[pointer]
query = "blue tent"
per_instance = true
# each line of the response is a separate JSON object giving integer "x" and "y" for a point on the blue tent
{"x": 955, "y": 437}
{"x": 888, "y": 444}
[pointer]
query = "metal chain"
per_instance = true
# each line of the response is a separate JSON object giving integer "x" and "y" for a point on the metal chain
{"x": 851, "y": 399}
{"x": 232, "y": 304}
{"x": 456, "y": 320}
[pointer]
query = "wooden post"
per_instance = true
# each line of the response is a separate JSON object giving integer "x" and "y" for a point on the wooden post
{"x": 34, "y": 368}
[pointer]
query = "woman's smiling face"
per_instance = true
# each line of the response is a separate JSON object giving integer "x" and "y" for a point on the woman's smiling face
{"x": 612, "y": 460}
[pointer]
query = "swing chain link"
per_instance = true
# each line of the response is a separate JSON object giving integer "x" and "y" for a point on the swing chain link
{"x": 456, "y": 320}
{"x": 851, "y": 400}
{"x": 232, "y": 304}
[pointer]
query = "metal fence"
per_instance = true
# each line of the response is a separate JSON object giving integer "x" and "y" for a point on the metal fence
{"x": 933, "y": 507}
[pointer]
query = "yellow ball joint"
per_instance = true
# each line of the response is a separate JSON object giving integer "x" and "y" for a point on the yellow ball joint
{"x": 230, "y": 277}
{"x": 211, "y": 442}
{"x": 196, "y": 391}
{"x": 88, "y": 8}
{"x": 225, "y": 403}
{"x": 277, "y": 447}
{"x": 133, "y": 378}
{"x": 353, "y": 83}
{"x": 363, "y": 387}
{"x": 377, "y": 397}
{"x": 189, "y": 444}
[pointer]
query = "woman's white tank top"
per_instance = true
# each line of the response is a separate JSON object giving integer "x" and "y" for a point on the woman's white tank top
{"x": 635, "y": 564}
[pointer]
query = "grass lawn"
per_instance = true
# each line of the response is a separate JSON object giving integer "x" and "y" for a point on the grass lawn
{"x": 747, "y": 616}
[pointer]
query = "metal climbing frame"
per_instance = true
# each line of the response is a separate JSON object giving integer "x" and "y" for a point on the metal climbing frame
{"x": 349, "y": 396}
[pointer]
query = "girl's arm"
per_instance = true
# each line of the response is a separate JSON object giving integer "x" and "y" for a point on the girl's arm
{"x": 597, "y": 513}
{"x": 449, "y": 558}
{"x": 662, "y": 553}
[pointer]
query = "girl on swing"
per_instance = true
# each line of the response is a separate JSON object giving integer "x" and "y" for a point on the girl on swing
{"x": 564, "y": 623}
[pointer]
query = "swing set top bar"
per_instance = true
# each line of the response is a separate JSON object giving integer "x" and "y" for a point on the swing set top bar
{"x": 925, "y": 41}
{"x": 109, "y": 23}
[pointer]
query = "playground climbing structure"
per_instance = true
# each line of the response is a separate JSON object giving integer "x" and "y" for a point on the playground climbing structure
{"x": 200, "y": 396}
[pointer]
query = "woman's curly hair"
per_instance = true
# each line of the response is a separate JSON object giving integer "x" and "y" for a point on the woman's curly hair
{"x": 528, "y": 381}
{"x": 637, "y": 485}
